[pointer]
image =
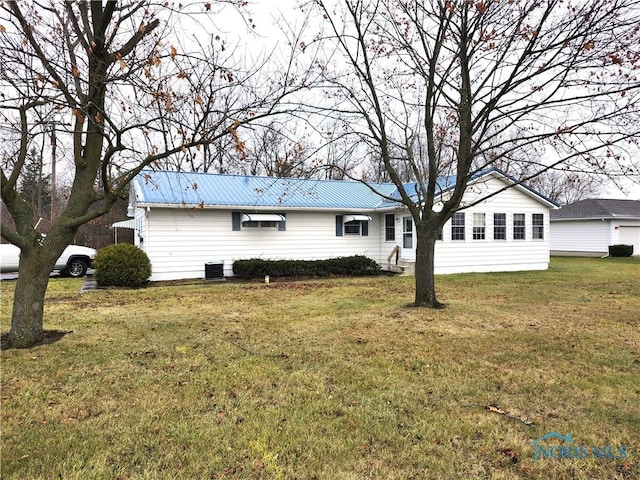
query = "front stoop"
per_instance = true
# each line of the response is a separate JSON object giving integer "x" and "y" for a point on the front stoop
{"x": 409, "y": 268}
{"x": 403, "y": 268}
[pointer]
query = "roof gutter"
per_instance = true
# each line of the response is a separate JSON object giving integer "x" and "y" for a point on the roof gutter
{"x": 601, "y": 218}
{"x": 270, "y": 208}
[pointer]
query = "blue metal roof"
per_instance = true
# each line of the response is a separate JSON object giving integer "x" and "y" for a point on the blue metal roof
{"x": 169, "y": 188}
{"x": 211, "y": 190}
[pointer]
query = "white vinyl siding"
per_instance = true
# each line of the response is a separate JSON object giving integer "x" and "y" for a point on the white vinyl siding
{"x": 501, "y": 254}
{"x": 630, "y": 235}
{"x": 593, "y": 237}
{"x": 585, "y": 236}
{"x": 181, "y": 240}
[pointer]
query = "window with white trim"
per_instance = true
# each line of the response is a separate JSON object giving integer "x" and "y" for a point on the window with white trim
{"x": 499, "y": 226}
{"x": 407, "y": 232}
{"x": 390, "y": 227}
{"x": 519, "y": 231}
{"x": 537, "y": 226}
{"x": 479, "y": 226}
{"x": 457, "y": 226}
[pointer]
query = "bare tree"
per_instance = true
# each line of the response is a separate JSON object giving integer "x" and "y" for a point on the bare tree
{"x": 437, "y": 88}
{"x": 563, "y": 187}
{"x": 35, "y": 186}
{"x": 123, "y": 94}
{"x": 275, "y": 152}
{"x": 561, "y": 184}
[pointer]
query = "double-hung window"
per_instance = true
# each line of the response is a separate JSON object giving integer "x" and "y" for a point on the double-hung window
{"x": 499, "y": 226}
{"x": 479, "y": 226}
{"x": 389, "y": 227}
{"x": 537, "y": 226}
{"x": 407, "y": 232}
{"x": 457, "y": 226}
{"x": 518, "y": 226}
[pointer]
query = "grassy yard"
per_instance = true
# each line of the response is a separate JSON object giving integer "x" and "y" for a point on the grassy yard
{"x": 331, "y": 379}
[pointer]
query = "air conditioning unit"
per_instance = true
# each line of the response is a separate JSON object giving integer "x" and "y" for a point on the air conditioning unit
{"x": 214, "y": 270}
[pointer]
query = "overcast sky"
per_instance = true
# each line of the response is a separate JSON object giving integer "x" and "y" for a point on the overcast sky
{"x": 266, "y": 14}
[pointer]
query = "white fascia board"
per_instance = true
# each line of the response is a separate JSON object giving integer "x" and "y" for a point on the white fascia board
{"x": 268, "y": 208}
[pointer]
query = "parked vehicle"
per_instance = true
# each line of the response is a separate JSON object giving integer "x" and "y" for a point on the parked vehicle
{"x": 74, "y": 261}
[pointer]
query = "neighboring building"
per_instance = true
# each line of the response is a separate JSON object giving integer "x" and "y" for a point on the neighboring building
{"x": 186, "y": 220}
{"x": 588, "y": 227}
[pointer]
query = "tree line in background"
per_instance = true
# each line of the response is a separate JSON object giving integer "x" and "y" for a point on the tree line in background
{"x": 268, "y": 153}
{"x": 36, "y": 189}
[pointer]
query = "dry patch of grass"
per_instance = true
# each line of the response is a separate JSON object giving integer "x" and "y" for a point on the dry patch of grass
{"x": 330, "y": 379}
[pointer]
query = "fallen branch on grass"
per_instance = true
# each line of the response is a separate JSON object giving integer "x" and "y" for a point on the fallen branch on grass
{"x": 500, "y": 411}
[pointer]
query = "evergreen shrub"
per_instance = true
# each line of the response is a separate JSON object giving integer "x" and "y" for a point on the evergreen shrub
{"x": 122, "y": 265}
{"x": 356, "y": 265}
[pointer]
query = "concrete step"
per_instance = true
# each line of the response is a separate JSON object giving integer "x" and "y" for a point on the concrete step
{"x": 403, "y": 268}
{"x": 408, "y": 268}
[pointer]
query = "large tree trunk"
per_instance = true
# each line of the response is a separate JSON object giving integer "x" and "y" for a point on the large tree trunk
{"x": 424, "y": 270}
{"x": 28, "y": 302}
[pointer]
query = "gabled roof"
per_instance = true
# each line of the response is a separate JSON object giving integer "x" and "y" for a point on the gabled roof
{"x": 170, "y": 189}
{"x": 594, "y": 208}
{"x": 515, "y": 183}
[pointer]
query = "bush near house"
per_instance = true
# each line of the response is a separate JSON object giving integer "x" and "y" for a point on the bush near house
{"x": 122, "y": 265}
{"x": 356, "y": 265}
{"x": 620, "y": 250}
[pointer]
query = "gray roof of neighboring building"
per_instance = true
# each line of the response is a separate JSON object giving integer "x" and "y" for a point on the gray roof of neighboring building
{"x": 598, "y": 208}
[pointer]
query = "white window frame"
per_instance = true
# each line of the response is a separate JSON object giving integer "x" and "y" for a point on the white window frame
{"x": 517, "y": 227}
{"x": 537, "y": 229}
{"x": 458, "y": 228}
{"x": 479, "y": 226}
{"x": 501, "y": 226}
{"x": 390, "y": 230}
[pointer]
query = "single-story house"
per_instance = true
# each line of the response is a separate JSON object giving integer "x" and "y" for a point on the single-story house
{"x": 589, "y": 227}
{"x": 185, "y": 221}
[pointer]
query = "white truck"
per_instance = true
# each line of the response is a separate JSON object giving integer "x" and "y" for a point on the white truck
{"x": 73, "y": 262}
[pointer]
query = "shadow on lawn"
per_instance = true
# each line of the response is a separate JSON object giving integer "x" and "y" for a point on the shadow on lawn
{"x": 50, "y": 336}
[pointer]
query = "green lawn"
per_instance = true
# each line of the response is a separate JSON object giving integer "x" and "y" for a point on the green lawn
{"x": 330, "y": 379}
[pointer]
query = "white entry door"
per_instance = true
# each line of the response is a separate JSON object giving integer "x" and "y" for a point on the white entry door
{"x": 408, "y": 242}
